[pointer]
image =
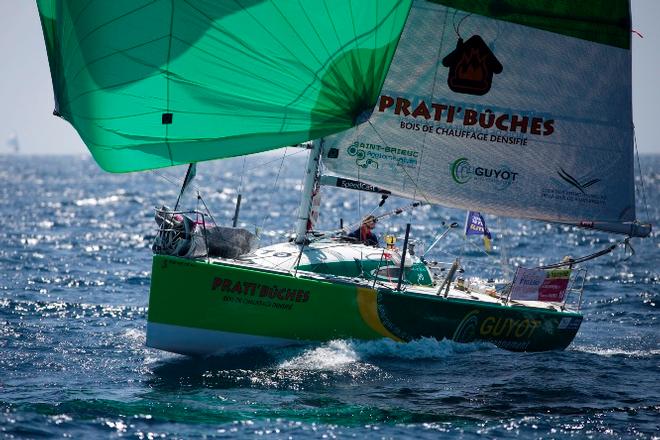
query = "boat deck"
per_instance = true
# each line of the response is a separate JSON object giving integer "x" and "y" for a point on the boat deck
{"x": 455, "y": 291}
{"x": 467, "y": 294}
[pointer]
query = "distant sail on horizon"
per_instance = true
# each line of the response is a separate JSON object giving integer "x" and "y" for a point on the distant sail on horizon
{"x": 13, "y": 142}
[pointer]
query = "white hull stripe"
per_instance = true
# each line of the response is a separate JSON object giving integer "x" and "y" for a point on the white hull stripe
{"x": 200, "y": 342}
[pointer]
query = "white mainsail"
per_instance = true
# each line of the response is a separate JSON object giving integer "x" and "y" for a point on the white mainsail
{"x": 483, "y": 114}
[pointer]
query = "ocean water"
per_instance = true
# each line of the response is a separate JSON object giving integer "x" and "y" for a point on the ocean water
{"x": 74, "y": 279}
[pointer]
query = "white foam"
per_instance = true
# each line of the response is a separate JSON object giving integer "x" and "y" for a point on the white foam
{"x": 136, "y": 335}
{"x": 425, "y": 348}
{"x": 97, "y": 201}
{"x": 609, "y": 352}
{"x": 333, "y": 355}
{"x": 341, "y": 354}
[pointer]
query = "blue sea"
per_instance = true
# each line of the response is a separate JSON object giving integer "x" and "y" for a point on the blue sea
{"x": 74, "y": 283}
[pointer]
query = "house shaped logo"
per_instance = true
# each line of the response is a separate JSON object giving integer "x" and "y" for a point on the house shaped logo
{"x": 471, "y": 67}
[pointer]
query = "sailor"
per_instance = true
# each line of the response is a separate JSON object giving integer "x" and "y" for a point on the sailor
{"x": 568, "y": 262}
{"x": 364, "y": 233}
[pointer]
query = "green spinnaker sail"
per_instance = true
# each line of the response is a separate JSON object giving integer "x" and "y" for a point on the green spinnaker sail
{"x": 156, "y": 83}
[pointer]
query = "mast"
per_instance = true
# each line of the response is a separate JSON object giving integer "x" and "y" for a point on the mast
{"x": 306, "y": 200}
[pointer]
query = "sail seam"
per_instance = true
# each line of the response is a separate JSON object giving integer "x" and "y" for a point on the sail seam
{"x": 277, "y": 178}
{"x": 167, "y": 84}
{"x": 65, "y": 68}
{"x": 426, "y": 136}
{"x": 342, "y": 47}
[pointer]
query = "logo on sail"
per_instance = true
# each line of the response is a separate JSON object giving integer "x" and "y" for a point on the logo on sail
{"x": 462, "y": 171}
{"x": 429, "y": 113}
{"x": 373, "y": 155}
{"x": 574, "y": 182}
{"x": 570, "y": 189}
{"x": 360, "y": 156}
{"x": 471, "y": 67}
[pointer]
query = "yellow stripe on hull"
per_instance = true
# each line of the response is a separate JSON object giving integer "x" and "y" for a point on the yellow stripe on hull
{"x": 368, "y": 305}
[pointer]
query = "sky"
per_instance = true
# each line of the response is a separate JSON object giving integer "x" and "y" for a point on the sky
{"x": 27, "y": 97}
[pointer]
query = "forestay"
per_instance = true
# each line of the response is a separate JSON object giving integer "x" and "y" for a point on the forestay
{"x": 155, "y": 83}
{"x": 516, "y": 108}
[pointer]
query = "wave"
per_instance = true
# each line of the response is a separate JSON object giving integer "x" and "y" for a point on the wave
{"x": 337, "y": 354}
{"x": 612, "y": 352}
{"x": 69, "y": 310}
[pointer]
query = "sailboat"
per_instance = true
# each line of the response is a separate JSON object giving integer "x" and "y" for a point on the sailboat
{"x": 13, "y": 142}
{"x": 510, "y": 108}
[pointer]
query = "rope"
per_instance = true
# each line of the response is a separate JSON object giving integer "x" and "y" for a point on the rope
{"x": 258, "y": 166}
{"x": 396, "y": 211}
{"x": 240, "y": 185}
{"x": 426, "y": 199}
{"x": 641, "y": 179}
{"x": 208, "y": 211}
{"x": 573, "y": 261}
{"x": 504, "y": 261}
{"x": 277, "y": 178}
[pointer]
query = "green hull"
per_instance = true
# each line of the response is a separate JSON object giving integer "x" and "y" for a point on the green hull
{"x": 256, "y": 306}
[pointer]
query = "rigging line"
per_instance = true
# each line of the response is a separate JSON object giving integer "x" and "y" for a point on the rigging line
{"x": 466, "y": 241}
{"x": 371, "y": 212}
{"x": 457, "y": 29}
{"x": 177, "y": 181}
{"x": 359, "y": 196}
{"x": 504, "y": 260}
{"x": 277, "y": 178}
{"x": 433, "y": 87}
{"x": 168, "y": 82}
{"x": 504, "y": 266}
{"x": 641, "y": 178}
{"x": 258, "y": 166}
{"x": 174, "y": 180}
{"x": 356, "y": 131}
{"x": 358, "y": 223}
{"x": 490, "y": 256}
{"x": 417, "y": 188}
{"x": 453, "y": 22}
{"x": 208, "y": 211}
{"x": 426, "y": 135}
{"x": 240, "y": 185}
{"x": 573, "y": 261}
{"x": 426, "y": 199}
{"x": 171, "y": 179}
